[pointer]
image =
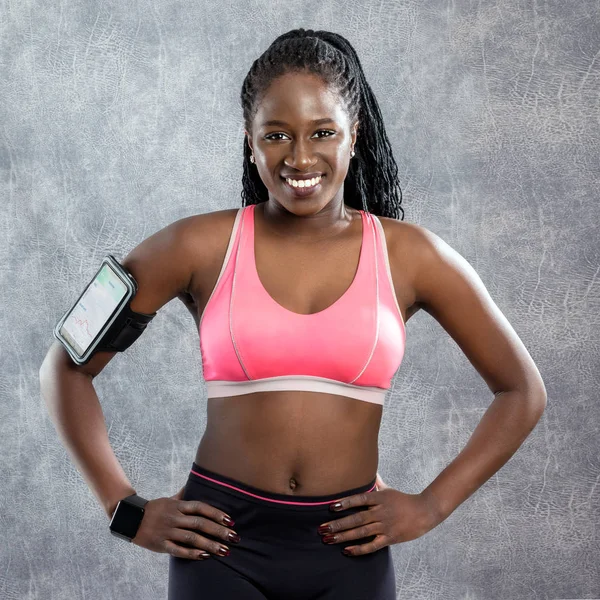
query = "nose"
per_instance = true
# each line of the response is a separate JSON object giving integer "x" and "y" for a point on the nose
{"x": 300, "y": 157}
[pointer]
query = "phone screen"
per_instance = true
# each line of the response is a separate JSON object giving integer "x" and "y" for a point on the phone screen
{"x": 93, "y": 309}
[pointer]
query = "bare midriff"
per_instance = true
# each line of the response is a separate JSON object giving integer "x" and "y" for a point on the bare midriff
{"x": 303, "y": 443}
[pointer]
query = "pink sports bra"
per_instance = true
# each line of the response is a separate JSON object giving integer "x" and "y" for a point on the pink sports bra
{"x": 250, "y": 343}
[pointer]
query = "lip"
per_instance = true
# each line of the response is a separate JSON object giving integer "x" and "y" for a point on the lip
{"x": 302, "y": 192}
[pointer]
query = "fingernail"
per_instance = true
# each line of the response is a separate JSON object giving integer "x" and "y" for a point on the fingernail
{"x": 324, "y": 529}
{"x": 234, "y": 537}
{"x": 336, "y": 506}
{"x": 223, "y": 551}
{"x": 228, "y": 521}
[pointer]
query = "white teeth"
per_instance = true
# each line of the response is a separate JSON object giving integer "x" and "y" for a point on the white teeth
{"x": 304, "y": 182}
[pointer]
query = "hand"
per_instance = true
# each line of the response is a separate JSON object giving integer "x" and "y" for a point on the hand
{"x": 392, "y": 517}
{"x": 171, "y": 525}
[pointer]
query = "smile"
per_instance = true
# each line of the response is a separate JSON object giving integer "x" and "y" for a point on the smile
{"x": 304, "y": 183}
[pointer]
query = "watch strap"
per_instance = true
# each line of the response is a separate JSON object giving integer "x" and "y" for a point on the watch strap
{"x": 137, "y": 500}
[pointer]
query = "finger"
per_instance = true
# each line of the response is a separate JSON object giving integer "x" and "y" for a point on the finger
{"x": 377, "y": 544}
{"x": 358, "y": 519}
{"x": 199, "y": 542}
{"x": 203, "y": 525}
{"x": 195, "y": 507}
{"x": 364, "y": 499}
{"x": 353, "y": 534}
{"x": 180, "y": 552}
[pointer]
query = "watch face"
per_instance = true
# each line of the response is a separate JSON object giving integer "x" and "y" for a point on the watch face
{"x": 126, "y": 519}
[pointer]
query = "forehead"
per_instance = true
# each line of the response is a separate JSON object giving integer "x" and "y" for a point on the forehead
{"x": 299, "y": 98}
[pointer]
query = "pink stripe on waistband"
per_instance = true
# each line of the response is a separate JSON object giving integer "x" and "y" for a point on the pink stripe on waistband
{"x": 270, "y": 499}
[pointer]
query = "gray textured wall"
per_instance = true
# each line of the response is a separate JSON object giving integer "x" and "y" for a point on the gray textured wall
{"x": 120, "y": 118}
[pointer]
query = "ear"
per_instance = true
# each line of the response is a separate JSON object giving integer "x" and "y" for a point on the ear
{"x": 249, "y": 138}
{"x": 354, "y": 134}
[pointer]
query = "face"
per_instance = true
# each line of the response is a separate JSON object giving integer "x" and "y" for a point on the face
{"x": 311, "y": 136}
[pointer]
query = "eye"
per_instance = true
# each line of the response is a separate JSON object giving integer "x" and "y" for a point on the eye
{"x": 328, "y": 131}
{"x": 269, "y": 137}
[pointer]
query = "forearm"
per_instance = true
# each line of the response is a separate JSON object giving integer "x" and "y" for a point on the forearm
{"x": 509, "y": 419}
{"x": 77, "y": 415}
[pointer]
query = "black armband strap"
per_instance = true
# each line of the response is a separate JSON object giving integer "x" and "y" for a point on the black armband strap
{"x": 127, "y": 328}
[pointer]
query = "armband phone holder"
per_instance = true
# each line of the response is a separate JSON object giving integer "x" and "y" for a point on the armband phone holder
{"x": 101, "y": 319}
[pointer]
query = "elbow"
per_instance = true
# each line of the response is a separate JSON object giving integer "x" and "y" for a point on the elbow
{"x": 531, "y": 398}
{"x": 539, "y": 396}
{"x": 537, "y": 399}
{"x": 531, "y": 388}
{"x": 539, "y": 403}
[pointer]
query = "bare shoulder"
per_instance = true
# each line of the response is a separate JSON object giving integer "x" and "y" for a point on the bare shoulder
{"x": 431, "y": 257}
{"x": 211, "y": 225}
{"x": 416, "y": 257}
{"x": 409, "y": 246}
{"x": 408, "y": 241}
{"x": 397, "y": 231}
{"x": 209, "y": 235}
{"x": 204, "y": 222}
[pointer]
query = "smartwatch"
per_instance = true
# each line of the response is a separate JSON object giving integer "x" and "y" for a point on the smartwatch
{"x": 127, "y": 517}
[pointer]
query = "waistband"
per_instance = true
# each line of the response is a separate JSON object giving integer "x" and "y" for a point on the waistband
{"x": 244, "y": 490}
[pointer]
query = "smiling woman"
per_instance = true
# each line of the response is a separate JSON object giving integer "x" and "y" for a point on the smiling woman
{"x": 301, "y": 299}
{"x": 300, "y": 342}
{"x": 296, "y": 373}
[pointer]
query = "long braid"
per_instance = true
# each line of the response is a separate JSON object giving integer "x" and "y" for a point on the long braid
{"x": 372, "y": 180}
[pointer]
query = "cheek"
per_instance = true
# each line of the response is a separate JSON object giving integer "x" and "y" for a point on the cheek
{"x": 341, "y": 167}
{"x": 341, "y": 158}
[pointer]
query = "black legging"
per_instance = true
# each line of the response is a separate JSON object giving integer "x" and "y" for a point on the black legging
{"x": 281, "y": 555}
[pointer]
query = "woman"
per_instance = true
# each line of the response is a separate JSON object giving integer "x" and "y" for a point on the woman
{"x": 303, "y": 295}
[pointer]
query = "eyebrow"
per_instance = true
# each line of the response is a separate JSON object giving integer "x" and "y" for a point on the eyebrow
{"x": 283, "y": 123}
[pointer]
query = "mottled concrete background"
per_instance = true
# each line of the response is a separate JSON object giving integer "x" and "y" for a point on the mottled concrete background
{"x": 119, "y": 118}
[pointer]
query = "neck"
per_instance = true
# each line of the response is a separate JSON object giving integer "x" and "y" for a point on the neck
{"x": 330, "y": 221}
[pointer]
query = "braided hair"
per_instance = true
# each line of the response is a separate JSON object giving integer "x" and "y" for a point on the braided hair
{"x": 372, "y": 180}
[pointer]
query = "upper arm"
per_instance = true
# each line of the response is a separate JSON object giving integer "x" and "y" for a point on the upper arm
{"x": 162, "y": 265}
{"x": 449, "y": 289}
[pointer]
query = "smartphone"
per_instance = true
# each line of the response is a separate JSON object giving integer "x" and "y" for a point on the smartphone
{"x": 83, "y": 327}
